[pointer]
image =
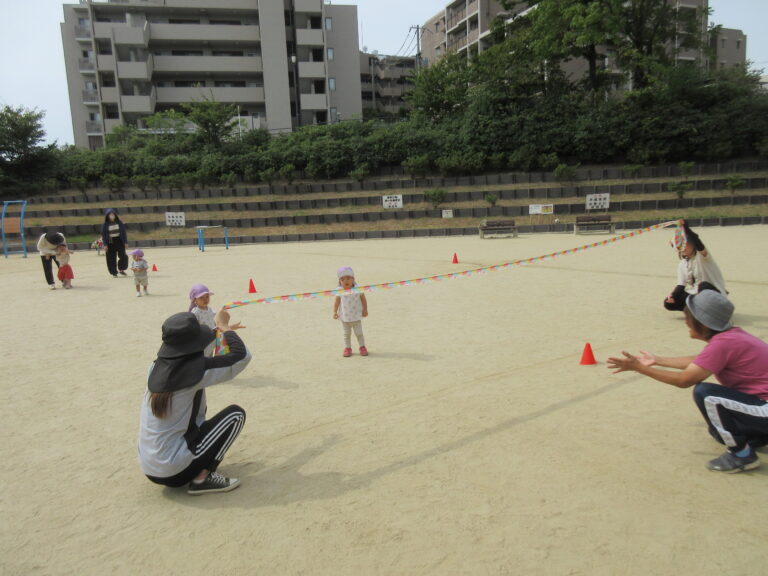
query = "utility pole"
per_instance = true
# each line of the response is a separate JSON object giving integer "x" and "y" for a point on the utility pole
{"x": 418, "y": 45}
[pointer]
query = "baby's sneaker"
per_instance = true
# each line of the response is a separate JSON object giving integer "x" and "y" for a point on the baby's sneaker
{"x": 363, "y": 351}
{"x": 347, "y": 352}
{"x": 138, "y": 294}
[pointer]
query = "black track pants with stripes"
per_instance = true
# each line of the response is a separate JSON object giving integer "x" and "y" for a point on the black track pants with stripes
{"x": 210, "y": 445}
{"x": 734, "y": 418}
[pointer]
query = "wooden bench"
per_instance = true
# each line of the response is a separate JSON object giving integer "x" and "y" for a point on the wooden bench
{"x": 498, "y": 227}
{"x": 594, "y": 223}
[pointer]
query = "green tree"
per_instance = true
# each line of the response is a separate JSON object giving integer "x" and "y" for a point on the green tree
{"x": 214, "y": 120}
{"x": 23, "y": 159}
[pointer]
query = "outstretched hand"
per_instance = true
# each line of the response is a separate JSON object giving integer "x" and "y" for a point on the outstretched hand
{"x": 629, "y": 362}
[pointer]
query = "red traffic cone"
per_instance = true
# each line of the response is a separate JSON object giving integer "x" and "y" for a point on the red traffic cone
{"x": 154, "y": 267}
{"x": 587, "y": 358}
{"x": 251, "y": 288}
{"x": 455, "y": 258}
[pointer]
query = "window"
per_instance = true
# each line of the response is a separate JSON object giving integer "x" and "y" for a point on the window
{"x": 738, "y": 44}
{"x": 332, "y": 84}
{"x": 329, "y": 23}
{"x": 330, "y": 54}
{"x": 722, "y": 43}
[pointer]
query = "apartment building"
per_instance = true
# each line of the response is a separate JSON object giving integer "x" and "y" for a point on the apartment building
{"x": 385, "y": 81}
{"x": 284, "y": 63}
{"x": 729, "y": 47}
{"x": 464, "y": 26}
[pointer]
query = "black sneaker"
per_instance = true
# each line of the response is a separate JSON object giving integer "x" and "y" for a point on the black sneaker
{"x": 214, "y": 482}
{"x": 122, "y": 273}
{"x": 731, "y": 463}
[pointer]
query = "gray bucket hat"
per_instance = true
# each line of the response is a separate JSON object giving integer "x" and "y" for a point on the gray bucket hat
{"x": 711, "y": 309}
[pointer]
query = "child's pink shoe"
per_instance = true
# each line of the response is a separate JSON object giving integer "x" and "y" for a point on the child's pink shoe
{"x": 363, "y": 351}
{"x": 347, "y": 352}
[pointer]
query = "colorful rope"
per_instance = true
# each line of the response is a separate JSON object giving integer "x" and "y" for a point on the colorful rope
{"x": 451, "y": 276}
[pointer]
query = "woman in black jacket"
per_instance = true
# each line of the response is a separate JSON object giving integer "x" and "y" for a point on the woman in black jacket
{"x": 115, "y": 240}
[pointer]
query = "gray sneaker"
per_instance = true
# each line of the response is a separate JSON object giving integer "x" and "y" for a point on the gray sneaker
{"x": 214, "y": 482}
{"x": 731, "y": 463}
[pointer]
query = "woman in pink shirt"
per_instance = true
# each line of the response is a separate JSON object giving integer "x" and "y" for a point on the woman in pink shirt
{"x": 736, "y": 409}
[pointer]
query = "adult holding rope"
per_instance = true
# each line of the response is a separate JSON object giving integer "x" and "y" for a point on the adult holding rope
{"x": 177, "y": 445}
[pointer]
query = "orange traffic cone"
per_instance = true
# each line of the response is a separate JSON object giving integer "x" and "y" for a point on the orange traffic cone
{"x": 587, "y": 358}
{"x": 251, "y": 288}
{"x": 455, "y": 258}
{"x": 154, "y": 267}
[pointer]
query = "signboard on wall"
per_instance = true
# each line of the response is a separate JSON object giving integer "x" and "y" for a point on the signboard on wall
{"x": 541, "y": 209}
{"x": 447, "y": 213}
{"x": 175, "y": 219}
{"x": 598, "y": 201}
{"x": 392, "y": 201}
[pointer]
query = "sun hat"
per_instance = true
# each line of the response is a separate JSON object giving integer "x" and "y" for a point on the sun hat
{"x": 138, "y": 252}
{"x": 180, "y": 362}
{"x": 345, "y": 271}
{"x": 711, "y": 309}
{"x": 199, "y": 290}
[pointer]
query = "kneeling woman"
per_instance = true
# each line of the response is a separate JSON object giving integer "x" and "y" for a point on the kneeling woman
{"x": 177, "y": 445}
{"x": 736, "y": 409}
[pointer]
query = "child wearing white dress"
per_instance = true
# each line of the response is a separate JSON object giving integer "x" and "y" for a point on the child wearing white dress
{"x": 199, "y": 305}
{"x": 350, "y": 309}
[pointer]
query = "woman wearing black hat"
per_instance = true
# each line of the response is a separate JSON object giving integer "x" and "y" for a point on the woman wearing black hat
{"x": 177, "y": 445}
{"x": 47, "y": 248}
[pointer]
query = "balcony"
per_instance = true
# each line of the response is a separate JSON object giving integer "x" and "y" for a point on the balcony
{"x": 109, "y": 95}
{"x": 311, "y": 69}
{"x": 132, "y": 35}
{"x": 308, "y": 5}
{"x": 110, "y": 124}
{"x": 92, "y": 128}
{"x": 86, "y": 66}
{"x": 106, "y": 62}
{"x": 205, "y": 33}
{"x": 314, "y": 102}
{"x": 237, "y": 64}
{"x": 309, "y": 37}
{"x": 135, "y": 70}
{"x": 138, "y": 104}
{"x": 83, "y": 33}
{"x": 456, "y": 18}
{"x": 174, "y": 95}
{"x": 90, "y": 97}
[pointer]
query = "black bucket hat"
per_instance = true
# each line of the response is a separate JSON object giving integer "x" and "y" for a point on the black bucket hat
{"x": 180, "y": 362}
{"x": 54, "y": 238}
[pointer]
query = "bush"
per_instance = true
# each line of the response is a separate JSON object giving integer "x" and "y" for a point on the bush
{"x": 360, "y": 173}
{"x": 680, "y": 188}
{"x": 174, "y": 182}
{"x": 417, "y": 166}
{"x": 229, "y": 179}
{"x": 632, "y": 170}
{"x": 268, "y": 175}
{"x": 523, "y": 159}
{"x": 286, "y": 172}
{"x": 142, "y": 182}
{"x": 566, "y": 173}
{"x": 436, "y": 196}
{"x": 491, "y": 199}
{"x": 80, "y": 182}
{"x": 735, "y": 182}
{"x": 686, "y": 168}
{"x": 548, "y": 161}
{"x": 113, "y": 182}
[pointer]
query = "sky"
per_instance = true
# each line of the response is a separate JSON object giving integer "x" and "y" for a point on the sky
{"x": 32, "y": 66}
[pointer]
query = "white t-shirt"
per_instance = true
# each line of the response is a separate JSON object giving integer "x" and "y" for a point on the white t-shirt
{"x": 698, "y": 269}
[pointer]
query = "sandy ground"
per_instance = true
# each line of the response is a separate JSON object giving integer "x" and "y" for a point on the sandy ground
{"x": 470, "y": 441}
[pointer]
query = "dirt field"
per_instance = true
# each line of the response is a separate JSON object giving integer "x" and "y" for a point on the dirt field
{"x": 470, "y": 441}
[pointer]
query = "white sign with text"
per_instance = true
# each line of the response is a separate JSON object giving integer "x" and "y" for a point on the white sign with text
{"x": 175, "y": 219}
{"x": 541, "y": 209}
{"x": 392, "y": 201}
